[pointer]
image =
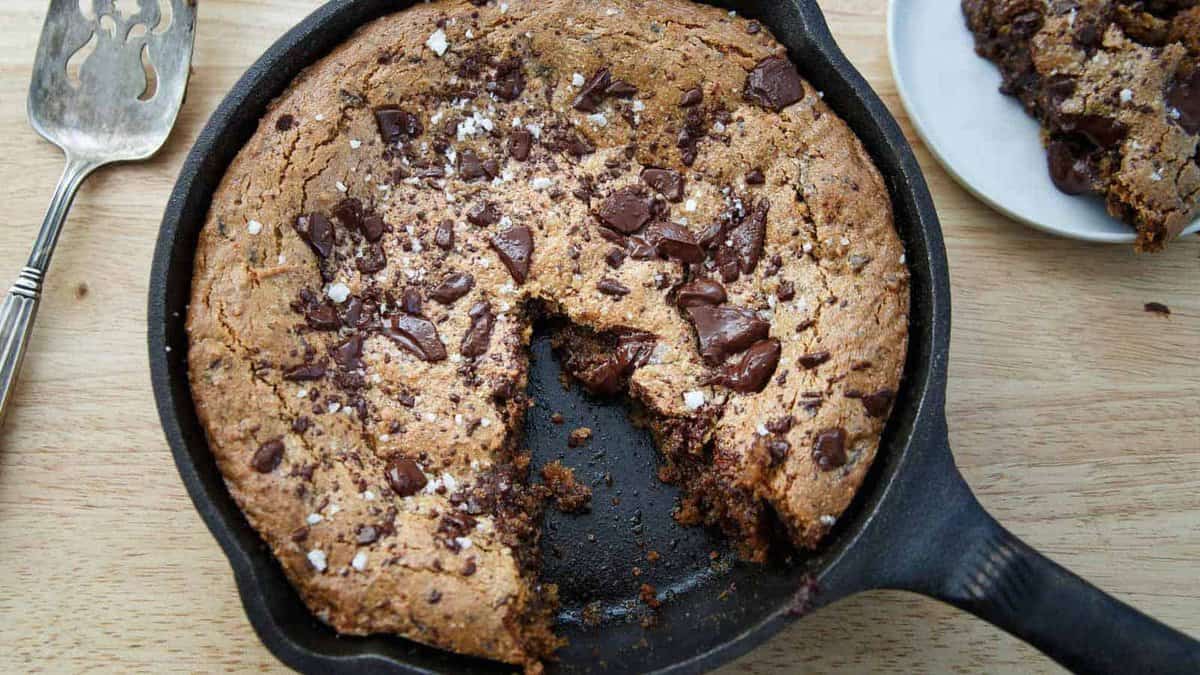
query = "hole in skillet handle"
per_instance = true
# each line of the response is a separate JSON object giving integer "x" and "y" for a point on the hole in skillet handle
{"x": 697, "y": 631}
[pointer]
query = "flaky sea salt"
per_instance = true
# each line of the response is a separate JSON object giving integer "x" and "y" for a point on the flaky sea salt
{"x": 314, "y": 518}
{"x": 694, "y": 400}
{"x": 316, "y": 558}
{"x": 360, "y": 561}
{"x": 254, "y": 227}
{"x": 541, "y": 183}
{"x": 577, "y": 79}
{"x": 437, "y": 42}
{"x": 338, "y": 292}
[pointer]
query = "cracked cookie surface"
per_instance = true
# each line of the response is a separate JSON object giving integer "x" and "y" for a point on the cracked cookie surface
{"x": 1116, "y": 86}
{"x": 654, "y": 175}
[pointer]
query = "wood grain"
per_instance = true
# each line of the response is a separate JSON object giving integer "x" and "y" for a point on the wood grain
{"x": 1074, "y": 414}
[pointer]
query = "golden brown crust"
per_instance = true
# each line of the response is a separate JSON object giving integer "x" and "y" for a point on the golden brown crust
{"x": 454, "y": 564}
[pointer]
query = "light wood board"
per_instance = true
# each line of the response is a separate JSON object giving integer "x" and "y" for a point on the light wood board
{"x": 1074, "y": 414}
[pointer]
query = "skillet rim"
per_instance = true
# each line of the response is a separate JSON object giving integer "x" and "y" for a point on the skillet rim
{"x": 822, "y": 64}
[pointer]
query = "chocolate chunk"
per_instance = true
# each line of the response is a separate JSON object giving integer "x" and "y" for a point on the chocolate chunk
{"x": 416, "y": 335}
{"x": 812, "y": 360}
{"x": 515, "y": 248}
{"x": 1105, "y": 132}
{"x": 317, "y": 231}
{"x": 614, "y": 258}
{"x": 1157, "y": 308}
{"x": 753, "y": 370}
{"x": 469, "y": 166}
{"x": 509, "y": 80}
{"x": 1057, "y": 89}
{"x": 350, "y": 212}
{"x": 755, "y": 177}
{"x": 435, "y": 596}
{"x": 305, "y": 372}
{"x": 444, "y": 235}
{"x": 778, "y": 451}
{"x": 372, "y": 227}
{"x": 352, "y": 317}
{"x": 372, "y": 259}
{"x": 774, "y": 83}
{"x": 366, "y": 534}
{"x": 469, "y": 567}
{"x": 268, "y": 456}
{"x": 349, "y": 353}
{"x": 395, "y": 124}
{"x": 1070, "y": 166}
{"x": 674, "y": 242}
{"x": 829, "y": 449}
{"x": 666, "y": 181}
{"x": 879, "y": 403}
{"x": 609, "y": 375}
{"x": 780, "y": 425}
{"x": 322, "y": 317}
{"x": 723, "y": 330}
{"x": 621, "y": 89}
{"x": 626, "y": 210}
{"x": 483, "y": 214}
{"x": 612, "y": 287}
{"x": 786, "y": 291}
{"x": 592, "y": 93}
{"x": 452, "y": 288}
{"x": 573, "y": 144}
{"x": 410, "y": 301}
{"x": 520, "y": 141}
{"x": 405, "y": 477}
{"x": 1183, "y": 95}
{"x": 477, "y": 338}
{"x": 700, "y": 292}
{"x": 748, "y": 238}
{"x": 285, "y": 122}
{"x": 640, "y": 248}
{"x": 691, "y": 97}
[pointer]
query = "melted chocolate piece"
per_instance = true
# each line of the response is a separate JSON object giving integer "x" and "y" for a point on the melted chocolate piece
{"x": 410, "y": 301}
{"x": 348, "y": 354}
{"x": 810, "y": 361}
{"x": 416, "y": 335}
{"x": 405, "y": 477}
{"x": 372, "y": 227}
{"x": 725, "y": 330}
{"x": 470, "y": 167}
{"x": 626, "y": 210}
{"x": 700, "y": 292}
{"x": 621, "y": 89}
{"x": 322, "y": 317}
{"x": 305, "y": 372}
{"x": 452, "y": 288}
{"x": 666, "y": 181}
{"x": 674, "y": 242}
{"x": 1105, "y": 132}
{"x": 753, "y": 370}
{"x": 829, "y": 449}
{"x": 350, "y": 212}
{"x": 879, "y": 403}
{"x": 749, "y": 237}
{"x": 612, "y": 287}
{"x": 509, "y": 80}
{"x": 520, "y": 141}
{"x": 483, "y": 214}
{"x": 609, "y": 376}
{"x": 1184, "y": 95}
{"x": 515, "y": 248}
{"x": 477, "y": 338}
{"x": 317, "y": 231}
{"x": 372, "y": 259}
{"x": 268, "y": 456}
{"x": 396, "y": 124}
{"x": 755, "y": 177}
{"x": 778, "y": 451}
{"x": 1070, "y": 167}
{"x": 691, "y": 97}
{"x": 444, "y": 236}
{"x": 592, "y": 93}
{"x": 285, "y": 122}
{"x": 641, "y": 249}
{"x": 774, "y": 83}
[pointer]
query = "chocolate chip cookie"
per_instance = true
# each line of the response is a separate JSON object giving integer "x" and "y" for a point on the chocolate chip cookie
{"x": 651, "y": 177}
{"x": 1116, "y": 86}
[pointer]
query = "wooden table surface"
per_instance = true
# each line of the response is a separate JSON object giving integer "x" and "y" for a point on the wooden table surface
{"x": 1074, "y": 414}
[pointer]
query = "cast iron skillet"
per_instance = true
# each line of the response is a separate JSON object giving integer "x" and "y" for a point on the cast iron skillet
{"x": 915, "y": 524}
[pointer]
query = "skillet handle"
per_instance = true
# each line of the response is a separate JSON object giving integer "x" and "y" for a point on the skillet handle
{"x": 936, "y": 539}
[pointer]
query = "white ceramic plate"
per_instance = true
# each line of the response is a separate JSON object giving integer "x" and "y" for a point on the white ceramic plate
{"x": 983, "y": 138}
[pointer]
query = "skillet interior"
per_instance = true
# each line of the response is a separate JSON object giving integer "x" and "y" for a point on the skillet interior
{"x": 718, "y": 610}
